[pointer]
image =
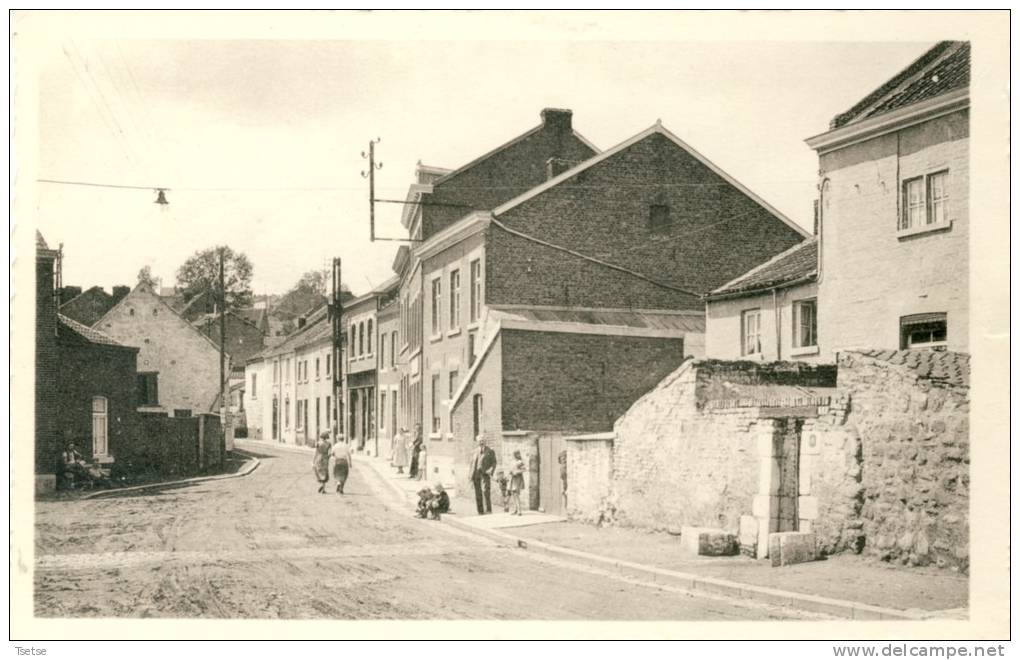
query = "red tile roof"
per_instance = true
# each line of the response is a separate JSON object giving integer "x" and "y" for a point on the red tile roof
{"x": 797, "y": 264}
{"x": 945, "y": 67}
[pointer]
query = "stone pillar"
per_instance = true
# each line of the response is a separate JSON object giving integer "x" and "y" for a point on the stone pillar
{"x": 765, "y": 505}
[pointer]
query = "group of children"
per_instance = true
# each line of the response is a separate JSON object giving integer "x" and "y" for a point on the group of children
{"x": 510, "y": 487}
{"x": 432, "y": 503}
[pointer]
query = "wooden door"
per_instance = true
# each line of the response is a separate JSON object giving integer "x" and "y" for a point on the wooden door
{"x": 788, "y": 485}
{"x": 550, "y": 486}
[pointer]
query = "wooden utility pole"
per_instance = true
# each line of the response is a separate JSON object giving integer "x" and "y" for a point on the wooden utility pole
{"x": 370, "y": 175}
{"x": 336, "y": 315}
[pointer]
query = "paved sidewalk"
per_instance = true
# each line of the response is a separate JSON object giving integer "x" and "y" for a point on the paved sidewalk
{"x": 846, "y": 585}
{"x": 844, "y": 577}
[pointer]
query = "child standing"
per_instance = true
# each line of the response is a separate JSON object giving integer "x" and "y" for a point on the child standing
{"x": 504, "y": 492}
{"x": 516, "y": 483}
{"x": 423, "y": 463}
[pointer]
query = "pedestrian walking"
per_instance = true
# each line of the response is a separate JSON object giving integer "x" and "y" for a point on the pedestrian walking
{"x": 483, "y": 465}
{"x": 342, "y": 463}
{"x": 416, "y": 445}
{"x": 516, "y": 484}
{"x": 320, "y": 462}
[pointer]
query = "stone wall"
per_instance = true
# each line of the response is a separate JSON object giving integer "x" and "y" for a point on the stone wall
{"x": 913, "y": 430}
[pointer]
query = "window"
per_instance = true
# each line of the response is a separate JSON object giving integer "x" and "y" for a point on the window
{"x": 368, "y": 338}
{"x": 353, "y": 340}
{"x": 318, "y": 422}
{"x": 300, "y": 407}
{"x": 276, "y": 372}
{"x": 805, "y": 323}
{"x": 436, "y": 422}
{"x": 393, "y": 348}
{"x": 924, "y": 331}
{"x": 382, "y": 349}
{"x": 148, "y": 389}
{"x": 938, "y": 197}
{"x": 750, "y": 335}
{"x": 254, "y": 386}
{"x": 329, "y": 419}
{"x": 476, "y": 406}
{"x": 382, "y": 407}
{"x": 658, "y": 217}
{"x": 452, "y": 390}
{"x": 476, "y": 291}
{"x": 361, "y": 338}
{"x": 437, "y": 306}
{"x": 286, "y": 372}
{"x": 454, "y": 299}
{"x": 100, "y": 436}
{"x": 286, "y": 413}
{"x": 329, "y": 362}
{"x": 472, "y": 337}
{"x": 925, "y": 201}
{"x": 316, "y": 368}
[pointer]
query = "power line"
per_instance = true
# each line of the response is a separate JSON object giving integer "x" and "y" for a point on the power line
{"x": 96, "y": 184}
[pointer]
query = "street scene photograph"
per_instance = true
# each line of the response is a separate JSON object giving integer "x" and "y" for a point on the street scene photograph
{"x": 385, "y": 325}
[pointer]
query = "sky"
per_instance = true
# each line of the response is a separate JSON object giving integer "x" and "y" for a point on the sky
{"x": 259, "y": 142}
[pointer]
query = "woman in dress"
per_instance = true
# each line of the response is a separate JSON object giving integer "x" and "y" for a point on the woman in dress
{"x": 400, "y": 451}
{"x": 320, "y": 462}
{"x": 516, "y": 484}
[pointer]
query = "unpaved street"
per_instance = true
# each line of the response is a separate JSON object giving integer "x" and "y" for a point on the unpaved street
{"x": 268, "y": 546}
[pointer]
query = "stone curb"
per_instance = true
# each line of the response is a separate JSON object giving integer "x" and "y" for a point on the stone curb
{"x": 245, "y": 470}
{"x": 816, "y": 604}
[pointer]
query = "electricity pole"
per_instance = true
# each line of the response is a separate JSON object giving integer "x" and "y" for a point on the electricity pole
{"x": 370, "y": 175}
{"x": 336, "y": 315}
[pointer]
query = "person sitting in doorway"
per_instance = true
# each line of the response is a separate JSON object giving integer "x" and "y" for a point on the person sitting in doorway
{"x": 424, "y": 502}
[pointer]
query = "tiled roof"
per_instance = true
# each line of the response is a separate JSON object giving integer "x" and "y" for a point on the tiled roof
{"x": 88, "y": 333}
{"x": 945, "y": 67}
{"x": 317, "y": 323}
{"x": 947, "y": 367}
{"x": 796, "y": 264}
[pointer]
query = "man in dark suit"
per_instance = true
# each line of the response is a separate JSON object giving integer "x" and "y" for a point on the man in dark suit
{"x": 483, "y": 465}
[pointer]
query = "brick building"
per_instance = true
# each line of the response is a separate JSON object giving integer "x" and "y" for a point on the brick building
{"x": 84, "y": 382}
{"x": 599, "y": 267}
{"x": 770, "y": 312}
{"x": 90, "y": 305}
{"x": 388, "y": 373}
{"x": 893, "y": 268}
{"x": 178, "y": 365}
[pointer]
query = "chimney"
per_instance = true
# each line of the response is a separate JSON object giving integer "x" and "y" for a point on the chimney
{"x": 119, "y": 292}
{"x": 557, "y": 119}
{"x": 69, "y": 292}
{"x": 556, "y": 166}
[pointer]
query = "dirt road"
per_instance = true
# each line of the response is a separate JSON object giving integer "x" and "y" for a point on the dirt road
{"x": 268, "y": 546}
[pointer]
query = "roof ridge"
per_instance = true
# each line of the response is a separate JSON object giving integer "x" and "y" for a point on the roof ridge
{"x": 891, "y": 85}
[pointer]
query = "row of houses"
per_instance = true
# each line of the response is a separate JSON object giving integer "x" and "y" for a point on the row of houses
{"x": 548, "y": 286}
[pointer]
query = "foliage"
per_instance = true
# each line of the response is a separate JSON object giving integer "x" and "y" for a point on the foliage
{"x": 201, "y": 273}
{"x": 145, "y": 277}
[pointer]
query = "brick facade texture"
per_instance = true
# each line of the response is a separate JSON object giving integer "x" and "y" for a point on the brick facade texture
{"x": 716, "y": 233}
{"x": 486, "y": 381}
{"x": 89, "y": 370}
{"x": 580, "y": 383}
{"x": 504, "y": 175}
{"x": 47, "y": 369}
{"x": 870, "y": 276}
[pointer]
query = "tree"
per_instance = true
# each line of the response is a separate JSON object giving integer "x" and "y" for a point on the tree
{"x": 145, "y": 277}
{"x": 201, "y": 274}
{"x": 309, "y": 293}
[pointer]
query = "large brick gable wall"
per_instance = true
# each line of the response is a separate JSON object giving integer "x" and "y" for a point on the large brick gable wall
{"x": 717, "y": 233}
{"x": 506, "y": 174}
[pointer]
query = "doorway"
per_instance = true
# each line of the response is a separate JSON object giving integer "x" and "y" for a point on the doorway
{"x": 550, "y": 481}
